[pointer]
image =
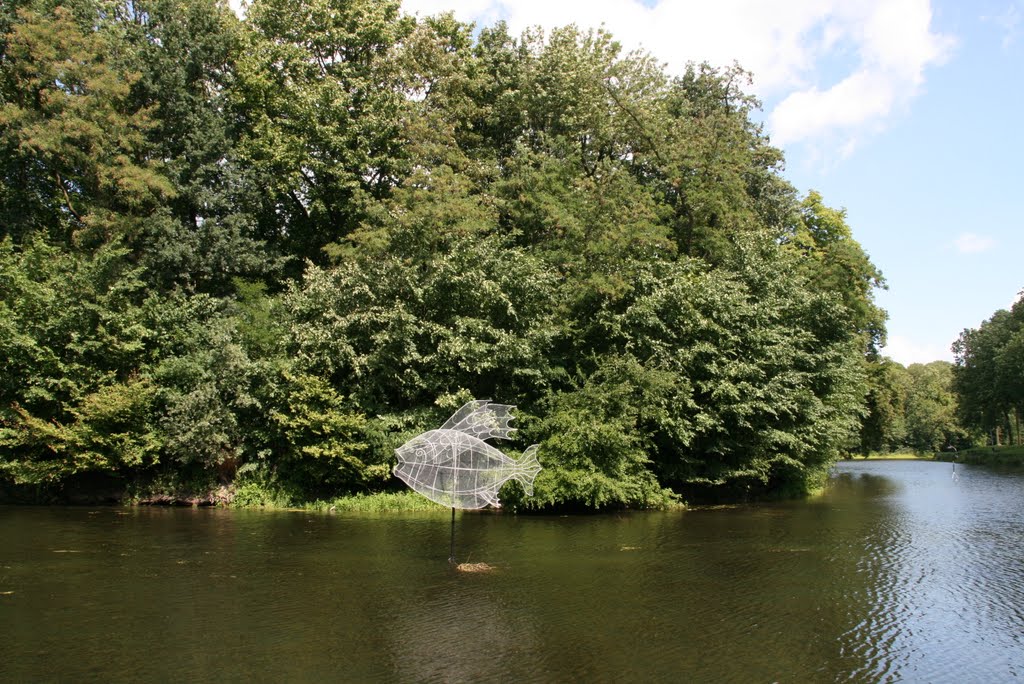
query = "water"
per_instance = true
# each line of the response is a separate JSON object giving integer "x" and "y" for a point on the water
{"x": 899, "y": 572}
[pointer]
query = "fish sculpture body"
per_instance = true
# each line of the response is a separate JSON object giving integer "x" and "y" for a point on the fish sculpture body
{"x": 455, "y": 467}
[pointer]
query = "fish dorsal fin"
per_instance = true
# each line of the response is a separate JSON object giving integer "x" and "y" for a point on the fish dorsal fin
{"x": 482, "y": 419}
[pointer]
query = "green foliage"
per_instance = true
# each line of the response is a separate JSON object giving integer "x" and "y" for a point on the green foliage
{"x": 70, "y": 323}
{"x": 75, "y": 143}
{"x": 835, "y": 262}
{"x": 73, "y": 336}
{"x": 476, "y": 317}
{"x": 259, "y": 493}
{"x": 911, "y": 409}
{"x": 257, "y": 255}
{"x": 768, "y": 388}
{"x": 988, "y": 377}
{"x": 321, "y": 436}
{"x": 884, "y": 427}
{"x": 319, "y": 95}
{"x": 380, "y": 502}
{"x": 1000, "y": 456}
{"x": 209, "y": 387}
{"x": 108, "y": 430}
{"x": 594, "y": 442}
{"x": 931, "y": 419}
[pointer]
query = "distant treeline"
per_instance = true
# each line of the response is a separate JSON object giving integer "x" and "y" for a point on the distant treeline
{"x": 989, "y": 376}
{"x": 262, "y": 253}
{"x": 976, "y": 401}
{"x": 912, "y": 408}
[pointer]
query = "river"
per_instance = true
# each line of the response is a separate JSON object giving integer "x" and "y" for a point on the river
{"x": 899, "y": 571}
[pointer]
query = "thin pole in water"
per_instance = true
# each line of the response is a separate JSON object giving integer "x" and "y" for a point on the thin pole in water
{"x": 451, "y": 556}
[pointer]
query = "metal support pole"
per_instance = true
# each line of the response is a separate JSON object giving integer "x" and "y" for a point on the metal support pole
{"x": 451, "y": 556}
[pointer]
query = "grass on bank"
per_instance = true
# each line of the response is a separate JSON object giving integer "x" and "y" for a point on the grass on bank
{"x": 261, "y": 494}
{"x": 251, "y": 495}
{"x": 381, "y": 502}
{"x": 982, "y": 455}
{"x": 987, "y": 455}
{"x": 891, "y": 456}
{"x": 254, "y": 494}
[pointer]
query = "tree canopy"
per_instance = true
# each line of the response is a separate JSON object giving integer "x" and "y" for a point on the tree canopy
{"x": 269, "y": 250}
{"x": 989, "y": 375}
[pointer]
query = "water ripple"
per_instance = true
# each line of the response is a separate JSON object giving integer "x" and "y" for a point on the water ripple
{"x": 896, "y": 573}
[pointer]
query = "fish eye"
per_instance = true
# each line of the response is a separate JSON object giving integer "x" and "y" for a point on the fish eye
{"x": 421, "y": 453}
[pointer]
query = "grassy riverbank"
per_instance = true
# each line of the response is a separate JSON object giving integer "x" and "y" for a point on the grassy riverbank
{"x": 988, "y": 455}
{"x": 892, "y": 456}
{"x": 253, "y": 495}
{"x": 381, "y": 502}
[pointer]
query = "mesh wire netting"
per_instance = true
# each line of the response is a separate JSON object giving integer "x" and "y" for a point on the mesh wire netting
{"x": 455, "y": 467}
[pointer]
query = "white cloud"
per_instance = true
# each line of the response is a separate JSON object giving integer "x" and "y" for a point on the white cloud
{"x": 971, "y": 243}
{"x": 467, "y": 10}
{"x": 859, "y": 100}
{"x": 839, "y": 70}
{"x": 1008, "y": 21}
{"x": 906, "y": 351}
{"x": 894, "y": 44}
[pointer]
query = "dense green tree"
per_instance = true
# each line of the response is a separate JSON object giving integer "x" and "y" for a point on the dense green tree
{"x": 911, "y": 408}
{"x": 765, "y": 388}
{"x": 712, "y": 158}
{"x": 73, "y": 335}
{"x": 884, "y": 425}
{"x": 597, "y": 441}
{"x": 835, "y": 262}
{"x": 1010, "y": 361}
{"x": 930, "y": 408}
{"x": 318, "y": 93}
{"x": 987, "y": 375}
{"x": 476, "y": 317}
{"x": 185, "y": 52}
{"x": 264, "y": 252}
{"x": 76, "y": 162}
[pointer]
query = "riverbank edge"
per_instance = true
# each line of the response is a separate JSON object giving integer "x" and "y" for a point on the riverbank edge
{"x": 240, "y": 496}
{"x": 254, "y": 496}
{"x": 892, "y": 456}
{"x": 1002, "y": 456}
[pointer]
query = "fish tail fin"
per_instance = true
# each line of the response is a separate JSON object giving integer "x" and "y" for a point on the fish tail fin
{"x": 527, "y": 468}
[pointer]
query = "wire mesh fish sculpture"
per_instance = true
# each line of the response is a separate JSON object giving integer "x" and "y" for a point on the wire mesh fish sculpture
{"x": 455, "y": 467}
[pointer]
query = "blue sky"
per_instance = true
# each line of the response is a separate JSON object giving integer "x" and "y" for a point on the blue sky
{"x": 907, "y": 113}
{"x": 935, "y": 196}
